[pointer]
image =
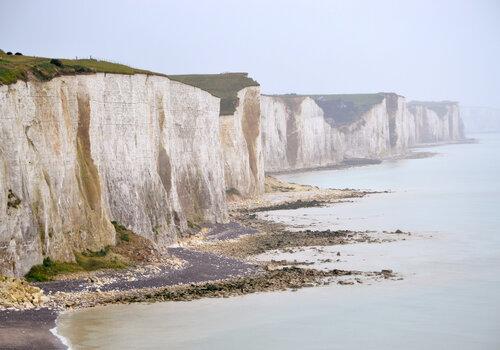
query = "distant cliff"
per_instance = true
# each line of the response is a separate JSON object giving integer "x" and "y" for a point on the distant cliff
{"x": 480, "y": 119}
{"x": 308, "y": 131}
{"x": 436, "y": 121}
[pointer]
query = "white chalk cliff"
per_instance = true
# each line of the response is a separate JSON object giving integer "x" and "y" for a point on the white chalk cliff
{"x": 80, "y": 151}
{"x": 157, "y": 153}
{"x": 240, "y": 129}
{"x": 301, "y": 132}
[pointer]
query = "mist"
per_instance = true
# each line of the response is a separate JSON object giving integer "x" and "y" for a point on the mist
{"x": 425, "y": 50}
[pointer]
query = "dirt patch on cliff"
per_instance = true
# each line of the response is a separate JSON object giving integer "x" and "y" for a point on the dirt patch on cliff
{"x": 251, "y": 128}
{"x": 292, "y": 140}
{"x": 134, "y": 248}
{"x": 164, "y": 169}
{"x": 88, "y": 178}
{"x": 391, "y": 104}
{"x": 193, "y": 196}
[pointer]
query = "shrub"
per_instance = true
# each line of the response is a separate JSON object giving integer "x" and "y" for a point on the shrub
{"x": 18, "y": 54}
{"x": 121, "y": 231}
{"x": 88, "y": 261}
{"x": 56, "y": 62}
{"x": 9, "y": 53}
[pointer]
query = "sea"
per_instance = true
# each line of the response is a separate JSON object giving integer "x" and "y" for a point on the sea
{"x": 448, "y": 297}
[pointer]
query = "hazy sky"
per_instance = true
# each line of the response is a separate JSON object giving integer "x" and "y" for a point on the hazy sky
{"x": 421, "y": 49}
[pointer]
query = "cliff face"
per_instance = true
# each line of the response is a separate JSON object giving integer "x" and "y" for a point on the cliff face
{"x": 480, "y": 119}
{"x": 295, "y": 134}
{"x": 241, "y": 144}
{"x": 436, "y": 121}
{"x": 80, "y": 151}
{"x": 301, "y": 132}
{"x": 240, "y": 128}
{"x": 157, "y": 153}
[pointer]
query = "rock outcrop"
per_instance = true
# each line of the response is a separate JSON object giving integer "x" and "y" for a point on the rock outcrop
{"x": 80, "y": 151}
{"x": 301, "y": 132}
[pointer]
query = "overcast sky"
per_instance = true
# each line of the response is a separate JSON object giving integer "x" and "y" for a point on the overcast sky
{"x": 429, "y": 50}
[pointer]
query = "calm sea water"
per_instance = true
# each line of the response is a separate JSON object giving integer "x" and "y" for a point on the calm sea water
{"x": 449, "y": 298}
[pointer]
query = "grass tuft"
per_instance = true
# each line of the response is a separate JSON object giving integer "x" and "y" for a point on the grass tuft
{"x": 89, "y": 261}
{"x": 121, "y": 232}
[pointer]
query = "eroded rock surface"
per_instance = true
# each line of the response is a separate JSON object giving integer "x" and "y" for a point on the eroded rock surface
{"x": 80, "y": 151}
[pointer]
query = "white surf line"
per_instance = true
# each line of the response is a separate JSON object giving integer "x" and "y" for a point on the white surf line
{"x": 63, "y": 340}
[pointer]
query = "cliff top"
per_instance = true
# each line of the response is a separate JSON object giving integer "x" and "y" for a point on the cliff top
{"x": 223, "y": 85}
{"x": 19, "y": 67}
{"x": 439, "y": 107}
{"x": 341, "y": 109}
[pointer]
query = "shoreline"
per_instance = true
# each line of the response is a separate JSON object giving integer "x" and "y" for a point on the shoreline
{"x": 211, "y": 268}
{"x": 412, "y": 153}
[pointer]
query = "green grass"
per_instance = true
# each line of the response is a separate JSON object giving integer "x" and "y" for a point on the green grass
{"x": 89, "y": 261}
{"x": 439, "y": 107}
{"x": 224, "y": 85}
{"x": 121, "y": 232}
{"x": 341, "y": 109}
{"x": 14, "y": 68}
{"x": 346, "y": 108}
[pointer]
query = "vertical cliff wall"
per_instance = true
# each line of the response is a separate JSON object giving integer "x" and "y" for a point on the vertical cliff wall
{"x": 436, "y": 121}
{"x": 301, "y": 132}
{"x": 80, "y": 151}
{"x": 240, "y": 128}
{"x": 295, "y": 134}
{"x": 480, "y": 119}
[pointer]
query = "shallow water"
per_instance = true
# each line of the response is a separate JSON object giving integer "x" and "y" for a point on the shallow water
{"x": 449, "y": 298}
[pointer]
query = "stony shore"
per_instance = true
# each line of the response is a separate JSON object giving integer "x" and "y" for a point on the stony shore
{"x": 216, "y": 262}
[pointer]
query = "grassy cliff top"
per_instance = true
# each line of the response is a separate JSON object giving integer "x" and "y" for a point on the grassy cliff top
{"x": 19, "y": 67}
{"x": 438, "y": 107}
{"x": 342, "y": 109}
{"x": 224, "y": 85}
{"x": 14, "y": 68}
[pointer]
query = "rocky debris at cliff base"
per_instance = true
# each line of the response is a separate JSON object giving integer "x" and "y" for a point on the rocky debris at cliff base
{"x": 418, "y": 155}
{"x": 19, "y": 294}
{"x": 293, "y": 196}
{"x": 279, "y": 238}
{"x": 268, "y": 280}
{"x": 273, "y": 184}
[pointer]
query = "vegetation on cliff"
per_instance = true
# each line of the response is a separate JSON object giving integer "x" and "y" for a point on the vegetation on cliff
{"x": 438, "y": 107}
{"x": 18, "y": 67}
{"x": 338, "y": 109}
{"x": 224, "y": 85}
{"x": 346, "y": 108}
{"x": 130, "y": 249}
